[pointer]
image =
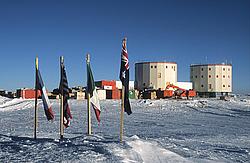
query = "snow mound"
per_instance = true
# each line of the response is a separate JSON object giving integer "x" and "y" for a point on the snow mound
{"x": 138, "y": 150}
{"x": 7, "y": 104}
{"x": 3, "y": 100}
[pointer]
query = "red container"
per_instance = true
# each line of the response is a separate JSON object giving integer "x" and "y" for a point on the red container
{"x": 116, "y": 94}
{"x": 27, "y": 93}
{"x": 113, "y": 94}
{"x": 103, "y": 83}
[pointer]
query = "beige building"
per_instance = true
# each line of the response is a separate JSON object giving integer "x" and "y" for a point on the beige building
{"x": 155, "y": 75}
{"x": 211, "y": 79}
{"x": 79, "y": 95}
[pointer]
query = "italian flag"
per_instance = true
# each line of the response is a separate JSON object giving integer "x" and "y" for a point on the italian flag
{"x": 93, "y": 94}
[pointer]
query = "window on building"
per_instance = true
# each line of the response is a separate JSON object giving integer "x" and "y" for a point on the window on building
{"x": 196, "y": 76}
{"x": 155, "y": 66}
{"x": 166, "y": 66}
{"x": 201, "y": 76}
{"x": 159, "y": 75}
{"x": 224, "y": 86}
{"x": 229, "y": 86}
{"x": 209, "y": 69}
{"x": 151, "y": 66}
{"x": 228, "y": 76}
{"x": 202, "y": 85}
{"x": 217, "y": 76}
{"x": 223, "y": 76}
{"x": 224, "y": 69}
{"x": 210, "y": 86}
{"x": 172, "y": 67}
{"x": 201, "y": 69}
{"x": 209, "y": 76}
{"x": 228, "y": 69}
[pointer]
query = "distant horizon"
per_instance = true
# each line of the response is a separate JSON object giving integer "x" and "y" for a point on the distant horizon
{"x": 185, "y": 32}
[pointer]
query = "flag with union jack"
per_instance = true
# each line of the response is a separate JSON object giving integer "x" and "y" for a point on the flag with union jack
{"x": 124, "y": 76}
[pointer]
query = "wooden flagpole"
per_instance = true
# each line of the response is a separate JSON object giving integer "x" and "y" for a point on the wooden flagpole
{"x": 122, "y": 114}
{"x": 122, "y": 107}
{"x": 88, "y": 102}
{"x": 61, "y": 105}
{"x": 36, "y": 94}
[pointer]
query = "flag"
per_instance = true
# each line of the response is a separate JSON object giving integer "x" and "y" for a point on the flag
{"x": 64, "y": 90}
{"x": 124, "y": 76}
{"x": 93, "y": 94}
{"x": 47, "y": 106}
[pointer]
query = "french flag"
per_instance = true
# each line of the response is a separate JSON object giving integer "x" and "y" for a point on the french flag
{"x": 47, "y": 106}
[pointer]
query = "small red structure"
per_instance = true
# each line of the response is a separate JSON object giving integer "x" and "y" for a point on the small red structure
{"x": 113, "y": 94}
{"x": 27, "y": 93}
{"x": 106, "y": 84}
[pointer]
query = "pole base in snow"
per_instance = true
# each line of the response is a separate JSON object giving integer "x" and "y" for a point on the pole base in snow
{"x": 61, "y": 136}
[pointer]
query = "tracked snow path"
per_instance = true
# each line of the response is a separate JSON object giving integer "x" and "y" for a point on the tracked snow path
{"x": 138, "y": 150}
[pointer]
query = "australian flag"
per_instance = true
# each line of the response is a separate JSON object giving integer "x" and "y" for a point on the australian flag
{"x": 124, "y": 75}
{"x": 47, "y": 106}
{"x": 64, "y": 90}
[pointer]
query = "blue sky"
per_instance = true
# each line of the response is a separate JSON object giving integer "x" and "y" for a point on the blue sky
{"x": 183, "y": 31}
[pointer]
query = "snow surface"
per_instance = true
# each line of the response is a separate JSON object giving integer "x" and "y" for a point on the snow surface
{"x": 199, "y": 130}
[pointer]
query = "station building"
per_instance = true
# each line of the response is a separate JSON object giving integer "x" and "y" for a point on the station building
{"x": 211, "y": 80}
{"x": 155, "y": 75}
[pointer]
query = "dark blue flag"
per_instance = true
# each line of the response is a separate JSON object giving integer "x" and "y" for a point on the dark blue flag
{"x": 124, "y": 75}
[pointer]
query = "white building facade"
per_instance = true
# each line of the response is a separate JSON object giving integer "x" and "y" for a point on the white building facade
{"x": 211, "y": 79}
{"x": 155, "y": 75}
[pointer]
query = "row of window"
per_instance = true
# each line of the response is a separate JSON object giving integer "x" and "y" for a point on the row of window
{"x": 173, "y": 67}
{"x": 210, "y": 86}
{"x": 224, "y": 69}
{"x": 217, "y": 76}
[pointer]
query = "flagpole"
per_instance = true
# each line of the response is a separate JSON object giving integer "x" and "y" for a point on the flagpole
{"x": 122, "y": 115}
{"x": 89, "y": 116}
{"x": 122, "y": 103}
{"x": 61, "y": 106}
{"x": 88, "y": 101}
{"x": 36, "y": 94}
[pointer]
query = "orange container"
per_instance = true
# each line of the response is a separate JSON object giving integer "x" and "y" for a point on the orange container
{"x": 167, "y": 93}
{"x": 192, "y": 93}
{"x": 164, "y": 94}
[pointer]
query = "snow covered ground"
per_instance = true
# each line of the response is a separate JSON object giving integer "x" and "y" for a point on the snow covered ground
{"x": 200, "y": 130}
